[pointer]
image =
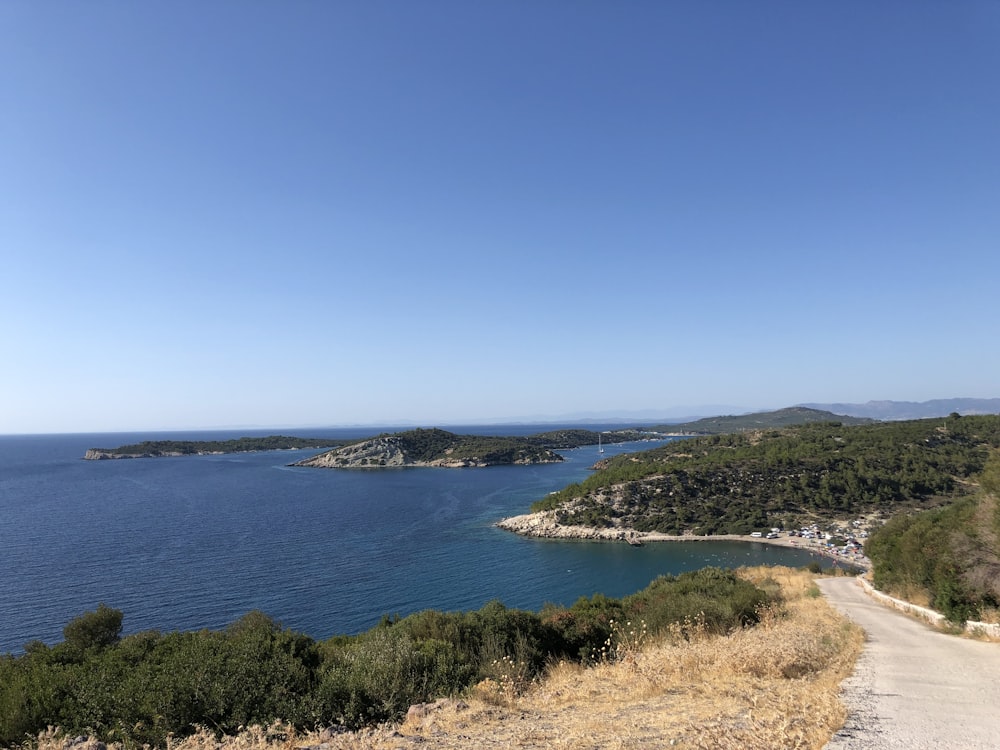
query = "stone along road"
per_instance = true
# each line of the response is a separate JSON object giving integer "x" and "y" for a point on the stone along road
{"x": 915, "y": 687}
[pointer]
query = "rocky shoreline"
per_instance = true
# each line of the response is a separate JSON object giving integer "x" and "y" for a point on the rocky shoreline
{"x": 95, "y": 454}
{"x": 544, "y": 525}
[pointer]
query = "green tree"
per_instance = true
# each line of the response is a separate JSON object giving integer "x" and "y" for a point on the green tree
{"x": 98, "y": 629}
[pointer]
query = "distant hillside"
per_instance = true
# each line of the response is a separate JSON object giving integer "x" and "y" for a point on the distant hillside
{"x": 575, "y": 438}
{"x": 754, "y": 480}
{"x": 764, "y": 420}
{"x": 940, "y": 407}
{"x": 432, "y": 447}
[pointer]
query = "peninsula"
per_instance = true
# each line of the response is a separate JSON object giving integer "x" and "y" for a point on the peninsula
{"x": 750, "y": 482}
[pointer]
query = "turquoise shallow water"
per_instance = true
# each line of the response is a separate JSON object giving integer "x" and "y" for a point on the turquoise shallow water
{"x": 196, "y": 542}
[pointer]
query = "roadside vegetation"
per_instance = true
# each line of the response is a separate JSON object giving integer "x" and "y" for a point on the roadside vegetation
{"x": 150, "y": 686}
{"x": 737, "y": 483}
{"x": 771, "y": 683}
{"x": 948, "y": 558}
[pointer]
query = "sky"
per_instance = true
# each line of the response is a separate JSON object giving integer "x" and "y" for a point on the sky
{"x": 231, "y": 214}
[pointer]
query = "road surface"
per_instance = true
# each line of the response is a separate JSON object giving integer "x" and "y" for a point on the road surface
{"x": 915, "y": 687}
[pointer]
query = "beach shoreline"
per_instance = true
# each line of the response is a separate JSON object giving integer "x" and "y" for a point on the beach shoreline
{"x": 544, "y": 526}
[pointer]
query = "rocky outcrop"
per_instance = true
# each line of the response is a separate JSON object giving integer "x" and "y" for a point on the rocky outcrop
{"x": 387, "y": 451}
{"x": 545, "y": 525}
{"x": 378, "y": 452}
{"x": 97, "y": 454}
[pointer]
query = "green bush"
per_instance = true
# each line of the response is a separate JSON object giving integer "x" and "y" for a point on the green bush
{"x": 94, "y": 630}
{"x": 374, "y": 679}
{"x": 584, "y": 628}
{"x": 718, "y": 598}
{"x": 145, "y": 687}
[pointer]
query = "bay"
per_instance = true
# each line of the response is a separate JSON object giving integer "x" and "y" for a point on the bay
{"x": 196, "y": 542}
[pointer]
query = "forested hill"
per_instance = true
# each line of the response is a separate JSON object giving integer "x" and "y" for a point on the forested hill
{"x": 764, "y": 420}
{"x": 739, "y": 482}
{"x": 432, "y": 447}
{"x": 915, "y": 409}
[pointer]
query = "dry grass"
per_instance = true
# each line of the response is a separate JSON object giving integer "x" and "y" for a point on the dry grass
{"x": 772, "y": 686}
{"x": 990, "y": 615}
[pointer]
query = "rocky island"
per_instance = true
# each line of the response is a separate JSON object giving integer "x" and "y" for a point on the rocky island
{"x": 432, "y": 447}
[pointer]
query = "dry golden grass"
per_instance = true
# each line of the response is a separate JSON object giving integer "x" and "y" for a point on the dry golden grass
{"x": 990, "y": 615}
{"x": 772, "y": 686}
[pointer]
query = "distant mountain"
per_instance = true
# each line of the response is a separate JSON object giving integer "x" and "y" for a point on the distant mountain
{"x": 618, "y": 416}
{"x": 763, "y": 420}
{"x": 893, "y": 410}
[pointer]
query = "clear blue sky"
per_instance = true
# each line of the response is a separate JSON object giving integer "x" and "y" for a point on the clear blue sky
{"x": 322, "y": 213}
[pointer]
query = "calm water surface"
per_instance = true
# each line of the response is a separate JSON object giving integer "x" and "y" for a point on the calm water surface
{"x": 196, "y": 542}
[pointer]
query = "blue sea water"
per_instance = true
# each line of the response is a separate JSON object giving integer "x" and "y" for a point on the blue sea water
{"x": 196, "y": 542}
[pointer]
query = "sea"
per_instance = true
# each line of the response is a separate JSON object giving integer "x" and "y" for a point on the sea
{"x": 193, "y": 542}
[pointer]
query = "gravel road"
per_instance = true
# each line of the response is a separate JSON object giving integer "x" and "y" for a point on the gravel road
{"x": 914, "y": 687}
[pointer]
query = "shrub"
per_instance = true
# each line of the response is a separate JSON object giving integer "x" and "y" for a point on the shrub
{"x": 720, "y": 599}
{"x": 377, "y": 677}
{"x": 144, "y": 688}
{"x": 583, "y": 628}
{"x": 98, "y": 629}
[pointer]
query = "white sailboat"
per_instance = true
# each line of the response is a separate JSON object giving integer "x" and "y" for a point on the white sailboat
{"x": 600, "y": 445}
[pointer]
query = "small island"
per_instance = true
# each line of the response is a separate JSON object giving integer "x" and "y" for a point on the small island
{"x": 160, "y": 448}
{"x": 419, "y": 447}
{"x": 433, "y": 447}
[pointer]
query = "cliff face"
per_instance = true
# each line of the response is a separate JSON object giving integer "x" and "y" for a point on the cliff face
{"x": 98, "y": 455}
{"x": 374, "y": 453}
